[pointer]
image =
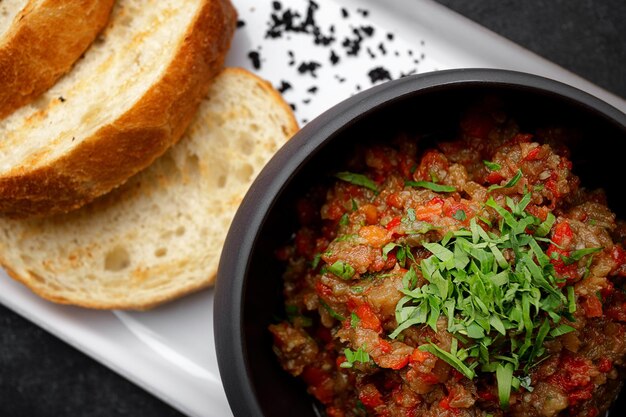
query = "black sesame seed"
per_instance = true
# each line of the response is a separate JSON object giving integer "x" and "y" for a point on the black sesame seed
{"x": 309, "y": 67}
{"x": 255, "y": 57}
{"x": 62, "y": 99}
{"x": 240, "y": 24}
{"x": 306, "y": 101}
{"x": 368, "y": 30}
{"x": 334, "y": 58}
{"x": 284, "y": 86}
{"x": 382, "y": 49}
{"x": 276, "y": 5}
{"x": 344, "y": 13}
{"x": 390, "y": 36}
{"x": 379, "y": 74}
{"x": 363, "y": 12}
{"x": 312, "y": 90}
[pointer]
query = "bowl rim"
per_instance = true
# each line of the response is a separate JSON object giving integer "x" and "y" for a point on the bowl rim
{"x": 287, "y": 162}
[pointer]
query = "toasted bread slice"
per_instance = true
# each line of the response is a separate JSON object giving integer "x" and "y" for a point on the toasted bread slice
{"x": 120, "y": 107}
{"x": 40, "y": 41}
{"x": 160, "y": 235}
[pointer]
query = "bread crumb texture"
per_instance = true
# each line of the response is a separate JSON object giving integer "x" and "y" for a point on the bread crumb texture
{"x": 160, "y": 235}
{"x": 129, "y": 98}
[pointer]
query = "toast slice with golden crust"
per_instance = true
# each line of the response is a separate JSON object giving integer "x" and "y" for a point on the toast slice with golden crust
{"x": 122, "y": 105}
{"x": 160, "y": 235}
{"x": 40, "y": 40}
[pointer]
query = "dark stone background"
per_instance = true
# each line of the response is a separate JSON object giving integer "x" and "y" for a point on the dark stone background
{"x": 42, "y": 376}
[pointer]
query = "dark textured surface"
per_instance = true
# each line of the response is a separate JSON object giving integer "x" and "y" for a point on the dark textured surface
{"x": 41, "y": 376}
{"x": 588, "y": 37}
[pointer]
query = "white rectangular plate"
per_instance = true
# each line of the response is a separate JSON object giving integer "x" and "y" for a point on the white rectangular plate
{"x": 169, "y": 351}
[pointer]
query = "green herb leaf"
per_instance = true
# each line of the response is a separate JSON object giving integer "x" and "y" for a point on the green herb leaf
{"x": 460, "y": 215}
{"x": 561, "y": 330}
{"x": 504, "y": 376}
{"x": 438, "y": 188}
{"x": 359, "y": 355}
{"x": 509, "y": 184}
{"x": 330, "y": 311}
{"x": 342, "y": 269}
{"x": 449, "y": 358}
{"x": 577, "y": 255}
{"x": 492, "y": 166}
{"x": 358, "y": 179}
{"x": 501, "y": 307}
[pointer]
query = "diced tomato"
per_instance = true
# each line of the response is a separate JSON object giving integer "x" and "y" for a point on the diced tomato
{"x": 322, "y": 290}
{"x": 618, "y": 254}
{"x": 370, "y": 396}
{"x": 533, "y": 154}
{"x": 393, "y": 223}
{"x": 319, "y": 383}
{"x": 420, "y": 356}
{"x": 494, "y": 177}
{"x": 573, "y": 373}
{"x": 451, "y": 207}
{"x": 400, "y": 362}
{"x": 340, "y": 359}
{"x": 592, "y": 306}
{"x": 552, "y": 185}
{"x": 541, "y": 212}
{"x": 562, "y": 234}
{"x": 431, "y": 209}
{"x": 605, "y": 365}
{"x": 394, "y": 200}
{"x": 371, "y": 213}
{"x": 579, "y": 395}
{"x": 333, "y": 210}
{"x": 445, "y": 404}
{"x": 432, "y": 163}
{"x": 384, "y": 346}
{"x": 376, "y": 236}
{"x": 368, "y": 318}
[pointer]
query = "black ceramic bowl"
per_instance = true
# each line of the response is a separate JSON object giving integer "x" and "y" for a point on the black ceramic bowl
{"x": 248, "y": 293}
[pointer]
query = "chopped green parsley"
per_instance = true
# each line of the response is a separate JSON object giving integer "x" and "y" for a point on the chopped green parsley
{"x": 499, "y": 293}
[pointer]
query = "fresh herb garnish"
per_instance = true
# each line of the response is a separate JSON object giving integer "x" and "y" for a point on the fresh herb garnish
{"x": 492, "y": 305}
{"x": 357, "y": 179}
{"x": 492, "y": 166}
{"x": 438, "y": 188}
{"x": 341, "y": 269}
{"x": 330, "y": 311}
{"x": 359, "y": 355}
{"x": 509, "y": 184}
{"x": 460, "y": 215}
{"x": 577, "y": 255}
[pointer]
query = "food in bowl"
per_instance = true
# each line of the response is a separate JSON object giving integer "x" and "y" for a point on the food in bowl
{"x": 467, "y": 277}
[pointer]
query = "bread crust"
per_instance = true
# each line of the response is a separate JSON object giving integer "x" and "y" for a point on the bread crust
{"x": 130, "y": 143}
{"x": 133, "y": 297}
{"x": 43, "y": 43}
